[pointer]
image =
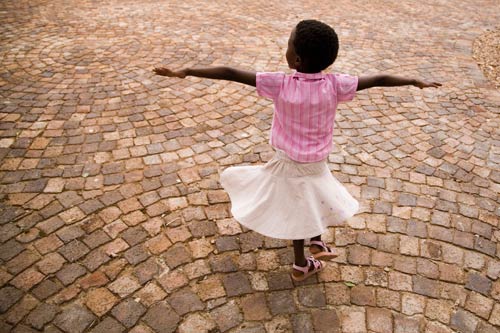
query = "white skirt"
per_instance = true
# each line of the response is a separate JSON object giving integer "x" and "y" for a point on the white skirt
{"x": 287, "y": 200}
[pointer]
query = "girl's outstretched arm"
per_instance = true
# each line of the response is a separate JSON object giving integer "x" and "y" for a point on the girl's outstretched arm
{"x": 383, "y": 80}
{"x": 218, "y": 73}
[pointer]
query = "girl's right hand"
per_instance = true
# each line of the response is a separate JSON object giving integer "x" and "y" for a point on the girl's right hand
{"x": 167, "y": 72}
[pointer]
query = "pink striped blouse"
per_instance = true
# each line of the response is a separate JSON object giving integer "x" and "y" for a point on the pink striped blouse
{"x": 304, "y": 110}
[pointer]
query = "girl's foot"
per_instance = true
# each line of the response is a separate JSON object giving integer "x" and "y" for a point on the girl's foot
{"x": 319, "y": 250}
{"x": 300, "y": 273}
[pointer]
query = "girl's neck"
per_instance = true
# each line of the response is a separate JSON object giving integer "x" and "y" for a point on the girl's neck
{"x": 303, "y": 72}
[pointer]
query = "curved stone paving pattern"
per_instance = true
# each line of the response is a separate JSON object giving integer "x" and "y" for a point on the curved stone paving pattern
{"x": 112, "y": 217}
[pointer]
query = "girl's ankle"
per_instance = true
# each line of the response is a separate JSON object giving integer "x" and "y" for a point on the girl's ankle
{"x": 301, "y": 263}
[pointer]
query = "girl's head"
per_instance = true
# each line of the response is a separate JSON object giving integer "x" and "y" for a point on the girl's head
{"x": 312, "y": 47}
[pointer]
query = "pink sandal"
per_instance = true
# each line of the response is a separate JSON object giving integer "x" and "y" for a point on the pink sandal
{"x": 325, "y": 252}
{"x": 316, "y": 266}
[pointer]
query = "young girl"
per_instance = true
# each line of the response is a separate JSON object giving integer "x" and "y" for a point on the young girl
{"x": 294, "y": 196}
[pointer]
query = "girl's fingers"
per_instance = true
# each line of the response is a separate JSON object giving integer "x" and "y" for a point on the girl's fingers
{"x": 163, "y": 71}
{"x": 167, "y": 72}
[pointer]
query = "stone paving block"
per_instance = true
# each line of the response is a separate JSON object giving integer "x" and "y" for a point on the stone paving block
{"x": 363, "y": 295}
{"x": 70, "y": 272}
{"x": 184, "y": 301}
{"x": 200, "y": 248}
{"x": 495, "y": 315}
{"x": 162, "y": 318}
{"x": 10, "y": 249}
{"x": 353, "y": 320}
{"x": 179, "y": 234}
{"x": 405, "y": 264}
{"x": 227, "y": 316}
{"x": 95, "y": 279}
{"x": 337, "y": 294}
{"x": 479, "y": 305}
{"x": 21, "y": 262}
{"x": 379, "y": 320}
{"x": 43, "y": 314}
{"x": 495, "y": 290}
{"x": 197, "y": 322}
{"x": 74, "y": 318}
{"x": 100, "y": 301}
{"x": 326, "y": 320}
{"x": 266, "y": 260}
{"x": 150, "y": 294}
{"x": 302, "y": 322}
{"x": 27, "y": 279}
{"x": 197, "y": 269}
{"x": 236, "y": 284}
{"x": 227, "y": 243}
{"x": 463, "y": 321}
{"x": 223, "y": 263}
{"x": 210, "y": 288}
{"x": 279, "y": 281}
{"x": 281, "y": 302}
{"x": 46, "y": 289}
{"x": 486, "y": 328}
{"x": 407, "y": 324}
{"x": 439, "y": 310}
{"x": 389, "y": 299}
{"x": 20, "y": 310}
{"x": 424, "y": 286}
{"x": 96, "y": 239}
{"x": 311, "y": 296}
{"x": 108, "y": 325}
{"x": 400, "y": 281}
{"x": 73, "y": 250}
{"x": 177, "y": 255}
{"x": 95, "y": 259}
{"x": 128, "y": 312}
{"x": 358, "y": 255}
{"x": 136, "y": 254}
{"x": 254, "y": 307}
{"x": 479, "y": 283}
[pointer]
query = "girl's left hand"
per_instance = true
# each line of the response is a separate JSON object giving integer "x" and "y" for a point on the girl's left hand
{"x": 167, "y": 72}
{"x": 425, "y": 84}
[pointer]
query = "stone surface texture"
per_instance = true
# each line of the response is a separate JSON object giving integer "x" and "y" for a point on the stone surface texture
{"x": 112, "y": 217}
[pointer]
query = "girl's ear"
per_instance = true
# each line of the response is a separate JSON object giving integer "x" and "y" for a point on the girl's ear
{"x": 298, "y": 62}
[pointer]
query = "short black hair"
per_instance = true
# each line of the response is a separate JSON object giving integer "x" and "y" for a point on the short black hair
{"x": 316, "y": 43}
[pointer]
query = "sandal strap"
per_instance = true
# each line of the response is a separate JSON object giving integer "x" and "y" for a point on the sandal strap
{"x": 316, "y": 264}
{"x": 321, "y": 244}
{"x": 304, "y": 269}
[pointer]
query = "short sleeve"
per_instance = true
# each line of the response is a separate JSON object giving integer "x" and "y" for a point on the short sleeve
{"x": 269, "y": 84}
{"x": 346, "y": 86}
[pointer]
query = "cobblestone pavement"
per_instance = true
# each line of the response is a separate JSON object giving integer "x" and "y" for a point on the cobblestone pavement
{"x": 112, "y": 217}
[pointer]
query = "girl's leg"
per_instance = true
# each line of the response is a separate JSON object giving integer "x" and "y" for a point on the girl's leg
{"x": 303, "y": 267}
{"x": 316, "y": 247}
{"x": 320, "y": 250}
{"x": 298, "y": 251}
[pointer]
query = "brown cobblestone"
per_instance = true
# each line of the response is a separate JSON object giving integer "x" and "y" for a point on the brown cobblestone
{"x": 162, "y": 318}
{"x": 42, "y": 315}
{"x": 379, "y": 320}
{"x": 9, "y": 296}
{"x": 100, "y": 301}
{"x": 227, "y": 316}
{"x": 46, "y": 289}
{"x": 128, "y": 312}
